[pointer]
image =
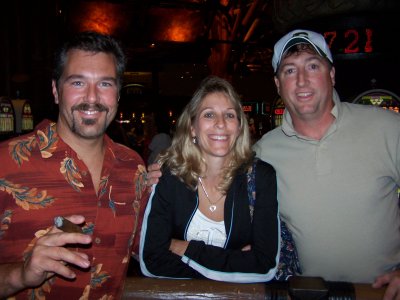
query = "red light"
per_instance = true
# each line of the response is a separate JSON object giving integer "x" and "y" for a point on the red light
{"x": 368, "y": 45}
{"x": 247, "y": 108}
{"x": 353, "y": 37}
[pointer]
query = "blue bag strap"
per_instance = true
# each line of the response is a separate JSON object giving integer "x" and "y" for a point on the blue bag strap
{"x": 251, "y": 186}
{"x": 288, "y": 259}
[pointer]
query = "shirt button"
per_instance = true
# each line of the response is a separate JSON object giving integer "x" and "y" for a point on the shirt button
{"x": 99, "y": 203}
{"x": 97, "y": 240}
{"x": 84, "y": 173}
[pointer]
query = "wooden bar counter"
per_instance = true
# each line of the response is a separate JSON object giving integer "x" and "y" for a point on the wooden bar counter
{"x": 138, "y": 287}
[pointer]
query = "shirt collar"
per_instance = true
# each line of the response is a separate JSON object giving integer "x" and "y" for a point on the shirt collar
{"x": 49, "y": 142}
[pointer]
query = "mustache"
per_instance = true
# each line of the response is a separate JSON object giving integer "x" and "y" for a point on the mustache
{"x": 88, "y": 106}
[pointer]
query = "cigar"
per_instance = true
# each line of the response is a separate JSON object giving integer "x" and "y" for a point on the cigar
{"x": 66, "y": 225}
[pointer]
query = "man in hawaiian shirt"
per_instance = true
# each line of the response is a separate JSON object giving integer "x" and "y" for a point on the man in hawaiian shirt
{"x": 72, "y": 169}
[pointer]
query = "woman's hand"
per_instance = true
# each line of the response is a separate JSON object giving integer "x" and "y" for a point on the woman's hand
{"x": 178, "y": 247}
{"x": 246, "y": 248}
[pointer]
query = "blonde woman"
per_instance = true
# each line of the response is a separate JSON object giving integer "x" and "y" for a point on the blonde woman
{"x": 199, "y": 221}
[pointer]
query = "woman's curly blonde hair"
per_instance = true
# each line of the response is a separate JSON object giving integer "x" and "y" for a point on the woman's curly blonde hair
{"x": 184, "y": 157}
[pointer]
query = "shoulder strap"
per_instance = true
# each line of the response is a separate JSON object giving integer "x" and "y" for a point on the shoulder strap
{"x": 251, "y": 186}
{"x": 288, "y": 259}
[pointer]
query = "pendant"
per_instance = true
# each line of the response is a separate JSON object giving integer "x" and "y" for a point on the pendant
{"x": 212, "y": 208}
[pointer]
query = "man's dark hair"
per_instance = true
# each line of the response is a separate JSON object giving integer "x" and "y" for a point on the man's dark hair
{"x": 92, "y": 42}
{"x": 303, "y": 47}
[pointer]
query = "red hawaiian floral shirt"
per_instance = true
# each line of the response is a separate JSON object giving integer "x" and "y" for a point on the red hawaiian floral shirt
{"x": 40, "y": 178}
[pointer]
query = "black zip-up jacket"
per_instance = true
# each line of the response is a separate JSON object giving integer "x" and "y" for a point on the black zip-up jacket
{"x": 170, "y": 210}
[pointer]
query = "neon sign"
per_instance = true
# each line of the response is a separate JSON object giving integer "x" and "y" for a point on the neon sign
{"x": 247, "y": 108}
{"x": 352, "y": 40}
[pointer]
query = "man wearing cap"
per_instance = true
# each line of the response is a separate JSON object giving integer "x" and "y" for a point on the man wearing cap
{"x": 338, "y": 169}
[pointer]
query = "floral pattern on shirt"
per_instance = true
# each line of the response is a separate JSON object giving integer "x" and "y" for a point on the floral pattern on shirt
{"x": 5, "y": 221}
{"x": 103, "y": 185}
{"x": 98, "y": 277}
{"x": 140, "y": 181}
{"x": 48, "y": 140}
{"x": 88, "y": 228}
{"x": 20, "y": 150}
{"x": 25, "y": 197}
{"x": 71, "y": 173}
{"x": 39, "y": 293}
{"x": 111, "y": 202}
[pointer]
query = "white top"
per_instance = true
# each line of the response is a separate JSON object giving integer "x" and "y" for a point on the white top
{"x": 204, "y": 229}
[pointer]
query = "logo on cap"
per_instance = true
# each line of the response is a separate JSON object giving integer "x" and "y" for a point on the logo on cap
{"x": 295, "y": 37}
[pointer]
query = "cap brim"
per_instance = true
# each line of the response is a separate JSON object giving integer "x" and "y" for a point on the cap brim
{"x": 301, "y": 40}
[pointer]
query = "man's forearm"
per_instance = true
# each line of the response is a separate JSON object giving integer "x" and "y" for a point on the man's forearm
{"x": 10, "y": 279}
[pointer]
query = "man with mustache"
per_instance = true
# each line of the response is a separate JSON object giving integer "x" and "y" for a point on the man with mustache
{"x": 72, "y": 168}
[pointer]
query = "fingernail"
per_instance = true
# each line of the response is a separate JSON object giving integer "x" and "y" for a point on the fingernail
{"x": 85, "y": 264}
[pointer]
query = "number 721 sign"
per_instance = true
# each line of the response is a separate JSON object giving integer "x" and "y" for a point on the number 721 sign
{"x": 351, "y": 41}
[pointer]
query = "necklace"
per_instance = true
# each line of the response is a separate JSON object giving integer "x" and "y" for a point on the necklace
{"x": 212, "y": 206}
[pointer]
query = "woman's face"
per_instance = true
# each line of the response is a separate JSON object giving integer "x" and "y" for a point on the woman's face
{"x": 216, "y": 126}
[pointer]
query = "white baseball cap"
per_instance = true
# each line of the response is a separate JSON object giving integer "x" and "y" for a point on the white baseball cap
{"x": 300, "y": 36}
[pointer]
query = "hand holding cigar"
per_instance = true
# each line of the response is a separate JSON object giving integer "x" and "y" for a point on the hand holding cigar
{"x": 66, "y": 225}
